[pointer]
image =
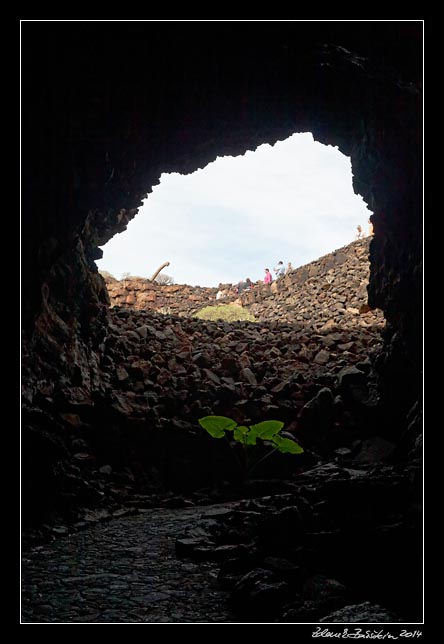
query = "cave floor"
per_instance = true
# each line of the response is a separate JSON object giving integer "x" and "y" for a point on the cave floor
{"x": 123, "y": 571}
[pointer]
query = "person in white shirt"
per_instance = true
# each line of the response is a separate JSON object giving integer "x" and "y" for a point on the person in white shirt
{"x": 280, "y": 270}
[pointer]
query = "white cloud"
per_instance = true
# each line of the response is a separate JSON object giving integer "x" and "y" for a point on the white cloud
{"x": 293, "y": 201}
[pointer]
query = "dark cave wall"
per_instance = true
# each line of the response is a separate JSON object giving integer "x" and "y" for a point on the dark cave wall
{"x": 108, "y": 107}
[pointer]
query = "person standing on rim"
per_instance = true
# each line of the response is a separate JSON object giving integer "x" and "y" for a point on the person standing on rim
{"x": 268, "y": 276}
{"x": 280, "y": 270}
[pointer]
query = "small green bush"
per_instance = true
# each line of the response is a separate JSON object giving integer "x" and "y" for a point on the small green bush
{"x": 226, "y": 312}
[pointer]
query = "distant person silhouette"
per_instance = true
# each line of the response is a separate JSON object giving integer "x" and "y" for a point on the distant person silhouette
{"x": 268, "y": 276}
{"x": 244, "y": 286}
{"x": 360, "y": 233}
{"x": 370, "y": 227}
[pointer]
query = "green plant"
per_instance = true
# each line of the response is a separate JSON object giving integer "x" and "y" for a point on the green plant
{"x": 226, "y": 312}
{"x": 267, "y": 430}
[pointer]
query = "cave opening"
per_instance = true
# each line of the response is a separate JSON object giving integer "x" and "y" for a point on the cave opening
{"x": 224, "y": 222}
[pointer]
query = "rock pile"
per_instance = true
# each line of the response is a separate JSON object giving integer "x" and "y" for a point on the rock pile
{"x": 247, "y": 368}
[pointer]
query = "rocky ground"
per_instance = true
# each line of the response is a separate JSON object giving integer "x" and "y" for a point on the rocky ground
{"x": 329, "y": 549}
{"x": 339, "y": 537}
{"x": 124, "y": 571}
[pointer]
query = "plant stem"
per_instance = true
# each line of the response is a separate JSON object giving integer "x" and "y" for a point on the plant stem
{"x": 261, "y": 460}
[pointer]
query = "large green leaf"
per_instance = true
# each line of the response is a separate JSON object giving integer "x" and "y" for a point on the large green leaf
{"x": 216, "y": 425}
{"x": 250, "y": 438}
{"x": 240, "y": 433}
{"x": 267, "y": 429}
{"x": 286, "y": 445}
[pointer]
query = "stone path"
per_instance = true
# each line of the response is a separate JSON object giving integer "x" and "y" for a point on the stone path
{"x": 122, "y": 571}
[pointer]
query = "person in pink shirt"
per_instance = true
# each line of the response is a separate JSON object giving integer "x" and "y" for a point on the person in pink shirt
{"x": 268, "y": 276}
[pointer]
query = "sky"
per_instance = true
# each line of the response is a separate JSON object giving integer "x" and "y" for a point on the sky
{"x": 293, "y": 202}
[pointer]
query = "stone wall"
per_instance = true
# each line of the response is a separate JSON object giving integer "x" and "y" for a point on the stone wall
{"x": 141, "y": 294}
{"x": 329, "y": 291}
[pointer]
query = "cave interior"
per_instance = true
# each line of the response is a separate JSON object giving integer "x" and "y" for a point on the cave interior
{"x": 107, "y": 107}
